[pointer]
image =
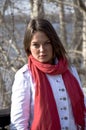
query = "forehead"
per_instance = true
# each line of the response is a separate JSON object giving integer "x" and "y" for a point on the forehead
{"x": 39, "y": 35}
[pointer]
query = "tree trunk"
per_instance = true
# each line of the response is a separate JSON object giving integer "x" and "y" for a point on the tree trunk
{"x": 78, "y": 25}
{"x": 62, "y": 25}
{"x": 84, "y": 39}
{"x": 37, "y": 9}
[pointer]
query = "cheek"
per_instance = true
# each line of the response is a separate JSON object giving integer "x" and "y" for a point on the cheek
{"x": 33, "y": 51}
{"x": 51, "y": 50}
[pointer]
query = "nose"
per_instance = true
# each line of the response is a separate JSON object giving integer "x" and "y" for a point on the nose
{"x": 42, "y": 48}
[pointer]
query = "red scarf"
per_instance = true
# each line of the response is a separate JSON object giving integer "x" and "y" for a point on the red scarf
{"x": 45, "y": 111}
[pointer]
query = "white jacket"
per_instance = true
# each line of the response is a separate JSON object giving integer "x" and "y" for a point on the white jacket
{"x": 23, "y": 91}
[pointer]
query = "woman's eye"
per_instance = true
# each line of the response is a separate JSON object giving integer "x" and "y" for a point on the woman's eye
{"x": 48, "y": 42}
{"x": 36, "y": 45}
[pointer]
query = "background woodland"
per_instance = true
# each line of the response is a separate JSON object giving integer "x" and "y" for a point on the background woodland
{"x": 67, "y": 16}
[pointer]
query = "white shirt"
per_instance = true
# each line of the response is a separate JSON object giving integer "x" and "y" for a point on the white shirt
{"x": 23, "y": 92}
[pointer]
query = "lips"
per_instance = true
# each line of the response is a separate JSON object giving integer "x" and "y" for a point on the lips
{"x": 42, "y": 56}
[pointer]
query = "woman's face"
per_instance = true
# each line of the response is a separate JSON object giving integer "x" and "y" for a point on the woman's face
{"x": 41, "y": 48}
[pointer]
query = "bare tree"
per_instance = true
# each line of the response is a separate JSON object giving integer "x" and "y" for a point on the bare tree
{"x": 83, "y": 6}
{"x": 77, "y": 31}
{"x": 62, "y": 23}
{"x": 37, "y": 9}
{"x": 12, "y": 55}
{"x": 79, "y": 36}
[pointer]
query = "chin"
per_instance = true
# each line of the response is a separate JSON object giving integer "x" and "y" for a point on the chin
{"x": 42, "y": 61}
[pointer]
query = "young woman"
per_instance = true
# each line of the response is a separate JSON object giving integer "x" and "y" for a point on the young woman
{"x": 46, "y": 93}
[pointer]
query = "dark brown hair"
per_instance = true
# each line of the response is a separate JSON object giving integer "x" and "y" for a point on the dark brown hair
{"x": 46, "y": 27}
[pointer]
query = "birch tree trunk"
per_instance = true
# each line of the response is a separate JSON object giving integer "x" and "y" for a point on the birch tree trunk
{"x": 37, "y": 8}
{"x": 84, "y": 39}
{"x": 1, "y": 92}
{"x": 78, "y": 25}
{"x": 62, "y": 24}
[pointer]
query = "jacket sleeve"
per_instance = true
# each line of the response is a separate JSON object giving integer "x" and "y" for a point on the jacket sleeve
{"x": 20, "y": 106}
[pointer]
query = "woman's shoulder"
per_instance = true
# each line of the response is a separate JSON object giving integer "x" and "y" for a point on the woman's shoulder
{"x": 74, "y": 71}
{"x": 23, "y": 72}
{"x": 22, "y": 79}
